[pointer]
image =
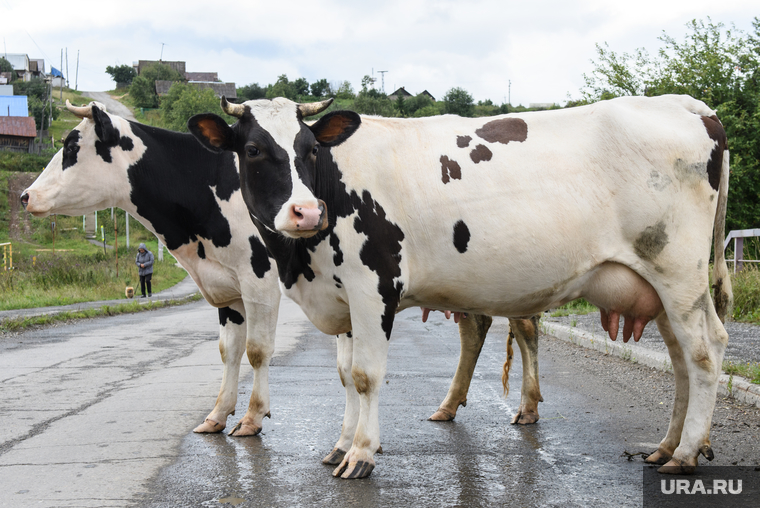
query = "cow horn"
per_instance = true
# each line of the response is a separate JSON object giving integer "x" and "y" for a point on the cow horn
{"x": 232, "y": 109}
{"x": 312, "y": 108}
{"x": 80, "y": 111}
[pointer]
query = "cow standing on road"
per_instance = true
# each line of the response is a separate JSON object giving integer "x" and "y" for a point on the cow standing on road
{"x": 190, "y": 198}
{"x": 615, "y": 202}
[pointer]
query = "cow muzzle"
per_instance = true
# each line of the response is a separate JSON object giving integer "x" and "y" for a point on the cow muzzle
{"x": 306, "y": 221}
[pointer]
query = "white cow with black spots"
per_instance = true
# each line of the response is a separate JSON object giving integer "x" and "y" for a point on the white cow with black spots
{"x": 191, "y": 199}
{"x": 616, "y": 202}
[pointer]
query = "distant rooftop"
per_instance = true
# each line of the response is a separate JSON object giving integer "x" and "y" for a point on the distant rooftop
{"x": 21, "y": 126}
{"x": 13, "y": 105}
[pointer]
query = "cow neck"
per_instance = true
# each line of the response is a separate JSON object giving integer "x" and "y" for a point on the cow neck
{"x": 177, "y": 186}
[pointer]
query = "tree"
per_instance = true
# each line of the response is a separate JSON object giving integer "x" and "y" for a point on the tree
{"x": 122, "y": 74}
{"x": 458, "y": 101}
{"x": 320, "y": 88}
{"x": 344, "y": 91}
{"x": 301, "y": 86}
{"x": 143, "y": 88}
{"x": 716, "y": 65}
{"x": 183, "y": 101}
{"x": 251, "y": 92}
{"x": 37, "y": 93}
{"x": 6, "y": 66}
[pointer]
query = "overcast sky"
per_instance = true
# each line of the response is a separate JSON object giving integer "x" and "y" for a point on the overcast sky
{"x": 542, "y": 47}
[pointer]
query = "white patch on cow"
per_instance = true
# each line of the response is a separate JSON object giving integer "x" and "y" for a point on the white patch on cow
{"x": 278, "y": 118}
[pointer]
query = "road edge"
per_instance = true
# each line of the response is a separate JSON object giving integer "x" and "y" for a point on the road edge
{"x": 728, "y": 385}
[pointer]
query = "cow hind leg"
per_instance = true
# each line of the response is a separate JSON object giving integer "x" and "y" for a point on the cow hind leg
{"x": 351, "y": 415}
{"x": 472, "y": 334}
{"x": 262, "y": 325}
{"x": 231, "y": 347}
{"x": 673, "y": 437}
{"x": 703, "y": 341}
{"x": 526, "y": 334}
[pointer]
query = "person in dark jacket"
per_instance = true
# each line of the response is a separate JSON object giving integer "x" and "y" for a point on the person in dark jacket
{"x": 144, "y": 262}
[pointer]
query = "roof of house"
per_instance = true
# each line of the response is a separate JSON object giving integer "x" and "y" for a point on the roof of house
{"x": 13, "y": 105}
{"x": 202, "y": 76}
{"x": 425, "y": 92}
{"x": 400, "y": 92}
{"x": 21, "y": 126}
{"x": 19, "y": 61}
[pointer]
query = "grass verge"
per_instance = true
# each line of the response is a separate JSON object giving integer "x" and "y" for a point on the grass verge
{"x": 23, "y": 323}
{"x": 748, "y": 370}
{"x": 579, "y": 306}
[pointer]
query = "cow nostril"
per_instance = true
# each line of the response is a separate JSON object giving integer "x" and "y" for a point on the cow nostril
{"x": 297, "y": 212}
{"x": 25, "y": 199}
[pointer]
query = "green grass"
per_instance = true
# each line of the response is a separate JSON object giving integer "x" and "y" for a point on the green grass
{"x": 23, "y": 323}
{"x": 749, "y": 370}
{"x": 579, "y": 306}
{"x": 746, "y": 285}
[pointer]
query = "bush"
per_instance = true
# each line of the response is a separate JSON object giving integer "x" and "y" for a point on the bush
{"x": 184, "y": 101}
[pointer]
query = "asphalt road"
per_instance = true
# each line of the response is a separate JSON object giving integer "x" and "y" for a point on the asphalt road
{"x": 100, "y": 413}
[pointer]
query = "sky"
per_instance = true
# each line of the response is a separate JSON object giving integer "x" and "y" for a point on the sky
{"x": 542, "y": 48}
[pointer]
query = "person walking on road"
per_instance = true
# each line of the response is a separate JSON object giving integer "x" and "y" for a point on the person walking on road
{"x": 144, "y": 262}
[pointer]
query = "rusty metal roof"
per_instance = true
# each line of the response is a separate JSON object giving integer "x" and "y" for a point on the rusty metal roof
{"x": 22, "y": 126}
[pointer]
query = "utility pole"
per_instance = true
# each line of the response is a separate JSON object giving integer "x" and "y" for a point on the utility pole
{"x": 162, "y": 52}
{"x": 61, "y": 80}
{"x": 67, "y": 68}
{"x": 382, "y": 79}
{"x": 509, "y": 92}
{"x": 76, "y": 78}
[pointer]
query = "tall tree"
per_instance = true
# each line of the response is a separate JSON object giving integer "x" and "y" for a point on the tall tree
{"x": 458, "y": 101}
{"x": 123, "y": 74}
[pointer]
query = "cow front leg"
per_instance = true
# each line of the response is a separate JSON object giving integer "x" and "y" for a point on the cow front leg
{"x": 525, "y": 332}
{"x": 668, "y": 445}
{"x": 370, "y": 356}
{"x": 351, "y": 415}
{"x": 262, "y": 325}
{"x": 232, "y": 332}
{"x": 472, "y": 334}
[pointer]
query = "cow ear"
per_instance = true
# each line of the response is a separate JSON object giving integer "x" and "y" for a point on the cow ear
{"x": 104, "y": 129}
{"x": 212, "y": 131}
{"x": 336, "y": 127}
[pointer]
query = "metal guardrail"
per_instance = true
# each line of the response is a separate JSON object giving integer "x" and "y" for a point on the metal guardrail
{"x": 738, "y": 237}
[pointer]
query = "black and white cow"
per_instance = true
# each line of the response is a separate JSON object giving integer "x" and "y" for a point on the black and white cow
{"x": 615, "y": 202}
{"x": 190, "y": 198}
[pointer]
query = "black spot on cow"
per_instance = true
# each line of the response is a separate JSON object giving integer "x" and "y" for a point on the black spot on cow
{"x": 461, "y": 236}
{"x": 338, "y": 282}
{"x": 173, "y": 187}
{"x": 70, "y": 149}
{"x": 715, "y": 164}
{"x": 381, "y": 253}
{"x": 259, "y": 257}
{"x": 201, "y": 251}
{"x": 349, "y": 335}
{"x": 463, "y": 141}
{"x": 227, "y": 313}
{"x": 450, "y": 169}
{"x": 480, "y": 153}
{"x": 651, "y": 242}
{"x": 504, "y": 130}
{"x": 338, "y": 254}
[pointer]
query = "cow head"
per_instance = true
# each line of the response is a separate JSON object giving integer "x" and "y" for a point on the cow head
{"x": 277, "y": 154}
{"x": 89, "y": 172}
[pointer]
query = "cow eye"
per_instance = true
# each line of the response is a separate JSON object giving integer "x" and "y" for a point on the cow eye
{"x": 252, "y": 151}
{"x": 315, "y": 150}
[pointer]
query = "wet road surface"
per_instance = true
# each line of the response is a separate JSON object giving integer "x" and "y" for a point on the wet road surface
{"x": 101, "y": 414}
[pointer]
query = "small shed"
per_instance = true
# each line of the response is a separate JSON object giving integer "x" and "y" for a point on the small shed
{"x": 17, "y": 133}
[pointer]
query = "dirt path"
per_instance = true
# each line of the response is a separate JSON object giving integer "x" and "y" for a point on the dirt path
{"x": 112, "y": 105}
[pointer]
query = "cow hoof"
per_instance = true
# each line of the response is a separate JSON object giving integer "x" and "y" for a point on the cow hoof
{"x": 676, "y": 466}
{"x": 658, "y": 458}
{"x": 354, "y": 470}
{"x": 442, "y": 415}
{"x": 209, "y": 426}
{"x": 335, "y": 457}
{"x": 245, "y": 429}
{"x": 707, "y": 452}
{"x": 524, "y": 418}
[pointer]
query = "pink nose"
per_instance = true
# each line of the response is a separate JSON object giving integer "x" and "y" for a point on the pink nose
{"x": 307, "y": 218}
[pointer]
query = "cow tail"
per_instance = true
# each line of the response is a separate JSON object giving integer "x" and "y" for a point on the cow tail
{"x": 723, "y": 296}
{"x": 508, "y": 363}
